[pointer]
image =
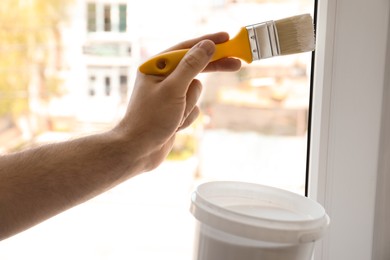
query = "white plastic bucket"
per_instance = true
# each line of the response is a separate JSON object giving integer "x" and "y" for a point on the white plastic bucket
{"x": 244, "y": 221}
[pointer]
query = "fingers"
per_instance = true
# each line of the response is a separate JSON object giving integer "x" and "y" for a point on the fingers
{"x": 193, "y": 94}
{"x": 190, "y": 118}
{"x": 215, "y": 37}
{"x": 191, "y": 111}
{"x": 191, "y": 65}
{"x": 224, "y": 64}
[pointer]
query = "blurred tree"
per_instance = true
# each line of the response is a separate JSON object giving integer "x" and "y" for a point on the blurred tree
{"x": 30, "y": 51}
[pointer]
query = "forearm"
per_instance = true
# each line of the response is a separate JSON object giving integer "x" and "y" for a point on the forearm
{"x": 39, "y": 183}
{"x": 42, "y": 182}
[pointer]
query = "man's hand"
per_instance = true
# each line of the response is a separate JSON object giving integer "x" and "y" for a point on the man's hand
{"x": 162, "y": 105}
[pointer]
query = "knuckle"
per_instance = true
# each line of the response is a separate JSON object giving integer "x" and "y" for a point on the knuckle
{"x": 192, "y": 61}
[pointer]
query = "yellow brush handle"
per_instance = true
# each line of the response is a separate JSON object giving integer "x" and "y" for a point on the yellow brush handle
{"x": 165, "y": 63}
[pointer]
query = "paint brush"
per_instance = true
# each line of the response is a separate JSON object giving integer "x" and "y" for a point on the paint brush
{"x": 254, "y": 42}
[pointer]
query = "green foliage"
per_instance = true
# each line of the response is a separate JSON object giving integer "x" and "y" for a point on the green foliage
{"x": 26, "y": 28}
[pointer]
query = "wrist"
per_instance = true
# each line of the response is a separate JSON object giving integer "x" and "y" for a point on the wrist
{"x": 134, "y": 149}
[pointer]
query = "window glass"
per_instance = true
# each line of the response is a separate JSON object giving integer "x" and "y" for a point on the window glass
{"x": 91, "y": 89}
{"x": 107, "y": 18}
{"x": 252, "y": 127}
{"x": 123, "y": 87}
{"x": 122, "y": 18}
{"x": 91, "y": 16}
{"x": 107, "y": 86}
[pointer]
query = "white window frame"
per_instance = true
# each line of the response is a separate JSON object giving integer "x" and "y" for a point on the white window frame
{"x": 350, "y": 128}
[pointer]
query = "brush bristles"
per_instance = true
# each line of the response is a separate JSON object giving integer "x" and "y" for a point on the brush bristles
{"x": 296, "y": 34}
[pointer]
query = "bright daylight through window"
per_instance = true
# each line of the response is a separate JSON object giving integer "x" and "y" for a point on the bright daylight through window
{"x": 67, "y": 70}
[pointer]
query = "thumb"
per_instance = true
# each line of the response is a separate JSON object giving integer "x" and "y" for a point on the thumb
{"x": 195, "y": 60}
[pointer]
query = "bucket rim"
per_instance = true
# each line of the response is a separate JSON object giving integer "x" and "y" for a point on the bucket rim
{"x": 207, "y": 208}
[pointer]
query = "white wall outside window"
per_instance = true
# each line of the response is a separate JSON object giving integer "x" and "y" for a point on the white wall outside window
{"x": 348, "y": 114}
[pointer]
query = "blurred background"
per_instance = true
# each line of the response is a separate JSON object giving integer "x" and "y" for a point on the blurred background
{"x": 67, "y": 69}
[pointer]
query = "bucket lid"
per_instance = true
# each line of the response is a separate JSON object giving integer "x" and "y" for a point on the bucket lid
{"x": 259, "y": 212}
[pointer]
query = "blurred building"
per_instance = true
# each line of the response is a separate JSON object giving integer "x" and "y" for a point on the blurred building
{"x": 101, "y": 54}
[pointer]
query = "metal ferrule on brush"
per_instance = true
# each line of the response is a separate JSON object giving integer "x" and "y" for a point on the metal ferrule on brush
{"x": 263, "y": 39}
